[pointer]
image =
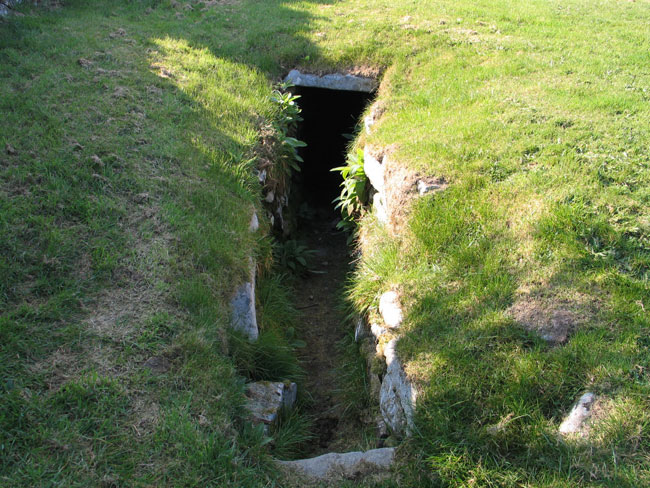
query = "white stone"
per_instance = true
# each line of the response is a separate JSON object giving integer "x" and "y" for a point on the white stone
{"x": 374, "y": 170}
{"x": 261, "y": 175}
{"x": 398, "y": 396}
{"x": 377, "y": 330}
{"x": 390, "y": 309}
{"x": 334, "y": 81}
{"x": 255, "y": 223}
{"x": 243, "y": 316}
{"x": 424, "y": 187}
{"x": 579, "y": 414}
{"x": 380, "y": 208}
{"x": 339, "y": 466}
{"x": 265, "y": 399}
{"x": 270, "y": 196}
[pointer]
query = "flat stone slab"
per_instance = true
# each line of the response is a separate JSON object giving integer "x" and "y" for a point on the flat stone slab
{"x": 334, "y": 81}
{"x": 265, "y": 399}
{"x": 338, "y": 466}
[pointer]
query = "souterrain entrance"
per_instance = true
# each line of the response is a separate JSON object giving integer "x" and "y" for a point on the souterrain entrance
{"x": 330, "y": 122}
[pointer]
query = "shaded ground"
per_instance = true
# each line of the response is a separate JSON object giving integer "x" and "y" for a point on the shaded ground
{"x": 318, "y": 297}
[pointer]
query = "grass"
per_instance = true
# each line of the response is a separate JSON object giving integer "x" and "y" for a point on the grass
{"x": 128, "y": 133}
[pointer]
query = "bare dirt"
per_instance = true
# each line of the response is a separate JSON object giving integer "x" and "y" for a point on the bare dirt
{"x": 318, "y": 298}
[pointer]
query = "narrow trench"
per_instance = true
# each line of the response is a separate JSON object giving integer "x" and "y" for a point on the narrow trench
{"x": 330, "y": 121}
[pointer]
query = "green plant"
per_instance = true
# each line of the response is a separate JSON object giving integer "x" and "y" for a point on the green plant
{"x": 354, "y": 190}
{"x": 293, "y": 255}
{"x": 285, "y": 123}
{"x": 289, "y": 110}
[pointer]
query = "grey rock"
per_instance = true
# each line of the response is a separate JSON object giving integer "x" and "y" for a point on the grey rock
{"x": 374, "y": 170}
{"x": 398, "y": 396}
{"x": 265, "y": 399}
{"x": 5, "y": 6}
{"x": 424, "y": 187}
{"x": 290, "y": 395}
{"x": 334, "y": 81}
{"x": 261, "y": 175}
{"x": 360, "y": 331}
{"x": 270, "y": 196}
{"x": 382, "y": 428}
{"x": 390, "y": 309}
{"x": 255, "y": 223}
{"x": 333, "y": 467}
{"x": 243, "y": 315}
{"x": 580, "y": 413}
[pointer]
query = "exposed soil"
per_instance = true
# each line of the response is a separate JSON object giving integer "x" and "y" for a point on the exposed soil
{"x": 318, "y": 297}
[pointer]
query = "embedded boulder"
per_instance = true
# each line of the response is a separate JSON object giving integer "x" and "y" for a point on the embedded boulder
{"x": 379, "y": 207}
{"x": 254, "y": 224}
{"x": 265, "y": 399}
{"x": 574, "y": 423}
{"x": 243, "y": 315}
{"x": 373, "y": 169}
{"x": 334, "y": 467}
{"x": 398, "y": 395}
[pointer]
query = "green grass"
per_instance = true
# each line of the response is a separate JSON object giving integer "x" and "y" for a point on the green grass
{"x": 124, "y": 213}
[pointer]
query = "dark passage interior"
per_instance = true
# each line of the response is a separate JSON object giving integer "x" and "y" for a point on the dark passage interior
{"x": 329, "y": 115}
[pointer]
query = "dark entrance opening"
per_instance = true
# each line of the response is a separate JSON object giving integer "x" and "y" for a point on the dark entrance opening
{"x": 330, "y": 119}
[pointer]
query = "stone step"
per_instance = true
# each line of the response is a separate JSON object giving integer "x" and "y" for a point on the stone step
{"x": 333, "y": 466}
{"x": 265, "y": 399}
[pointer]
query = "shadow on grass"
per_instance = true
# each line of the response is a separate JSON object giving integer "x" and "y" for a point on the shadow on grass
{"x": 496, "y": 393}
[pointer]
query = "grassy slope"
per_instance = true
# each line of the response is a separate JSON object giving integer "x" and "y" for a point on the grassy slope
{"x": 537, "y": 115}
{"x": 122, "y": 248}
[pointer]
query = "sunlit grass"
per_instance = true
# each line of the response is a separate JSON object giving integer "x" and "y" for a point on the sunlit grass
{"x": 131, "y": 186}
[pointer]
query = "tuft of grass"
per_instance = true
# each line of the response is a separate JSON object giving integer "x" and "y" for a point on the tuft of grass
{"x": 271, "y": 357}
{"x": 291, "y": 433}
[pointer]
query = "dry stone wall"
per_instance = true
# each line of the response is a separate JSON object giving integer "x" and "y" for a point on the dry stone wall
{"x": 389, "y": 383}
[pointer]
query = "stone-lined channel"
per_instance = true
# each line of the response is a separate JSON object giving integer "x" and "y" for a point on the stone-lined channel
{"x": 332, "y": 106}
{"x": 330, "y": 117}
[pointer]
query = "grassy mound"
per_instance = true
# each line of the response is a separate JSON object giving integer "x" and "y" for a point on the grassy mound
{"x": 127, "y": 134}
